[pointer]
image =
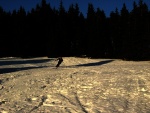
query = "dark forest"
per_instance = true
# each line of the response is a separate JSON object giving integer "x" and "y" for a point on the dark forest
{"x": 46, "y": 31}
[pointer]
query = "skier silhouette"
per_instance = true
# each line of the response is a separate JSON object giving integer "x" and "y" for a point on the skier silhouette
{"x": 60, "y": 60}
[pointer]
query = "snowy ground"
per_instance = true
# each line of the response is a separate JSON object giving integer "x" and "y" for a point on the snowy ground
{"x": 80, "y": 85}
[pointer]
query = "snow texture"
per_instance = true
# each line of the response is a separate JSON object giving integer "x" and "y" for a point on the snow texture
{"x": 79, "y": 85}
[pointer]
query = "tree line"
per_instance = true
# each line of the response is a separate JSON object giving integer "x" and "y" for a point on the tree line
{"x": 47, "y": 31}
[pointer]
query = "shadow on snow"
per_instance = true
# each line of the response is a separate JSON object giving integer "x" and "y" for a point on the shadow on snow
{"x": 4, "y": 70}
{"x": 23, "y": 61}
{"x": 96, "y": 63}
{"x": 89, "y": 64}
{"x": 36, "y": 61}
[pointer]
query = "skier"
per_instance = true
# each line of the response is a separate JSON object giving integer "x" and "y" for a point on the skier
{"x": 60, "y": 60}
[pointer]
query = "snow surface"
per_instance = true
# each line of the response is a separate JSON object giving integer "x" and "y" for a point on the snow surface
{"x": 79, "y": 85}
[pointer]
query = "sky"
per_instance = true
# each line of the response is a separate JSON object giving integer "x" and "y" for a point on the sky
{"x": 106, "y": 5}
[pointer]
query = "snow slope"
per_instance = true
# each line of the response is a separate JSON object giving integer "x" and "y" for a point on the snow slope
{"x": 79, "y": 85}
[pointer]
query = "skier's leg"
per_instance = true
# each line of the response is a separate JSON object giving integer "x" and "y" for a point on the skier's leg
{"x": 58, "y": 64}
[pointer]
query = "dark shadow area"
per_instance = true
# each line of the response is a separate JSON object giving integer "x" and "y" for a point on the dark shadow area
{"x": 23, "y": 61}
{"x": 88, "y": 64}
{"x": 1, "y": 81}
{"x": 9, "y": 70}
{"x": 96, "y": 63}
{"x": 62, "y": 32}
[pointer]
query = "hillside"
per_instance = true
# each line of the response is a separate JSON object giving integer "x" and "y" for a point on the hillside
{"x": 79, "y": 85}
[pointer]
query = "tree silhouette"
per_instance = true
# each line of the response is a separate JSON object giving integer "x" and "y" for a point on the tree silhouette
{"x": 125, "y": 30}
{"x": 115, "y": 32}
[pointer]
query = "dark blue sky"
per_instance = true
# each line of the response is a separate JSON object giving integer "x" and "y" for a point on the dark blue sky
{"x": 106, "y": 5}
